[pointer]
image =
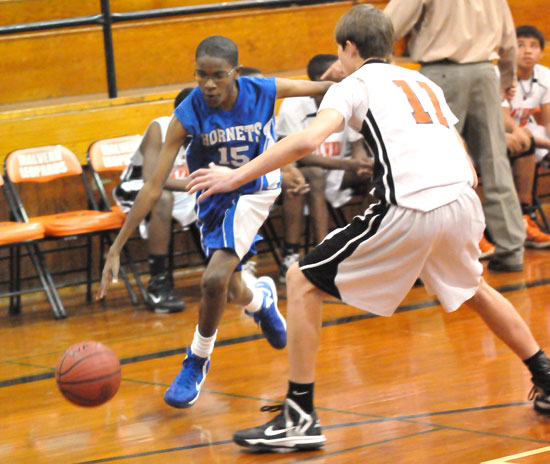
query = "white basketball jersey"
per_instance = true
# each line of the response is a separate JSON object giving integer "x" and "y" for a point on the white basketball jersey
{"x": 180, "y": 170}
{"x": 296, "y": 113}
{"x": 530, "y": 94}
{"x": 419, "y": 162}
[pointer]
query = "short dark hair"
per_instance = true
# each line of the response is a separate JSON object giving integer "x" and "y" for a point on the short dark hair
{"x": 182, "y": 95}
{"x": 368, "y": 28}
{"x": 248, "y": 71}
{"x": 318, "y": 65}
{"x": 219, "y": 47}
{"x": 531, "y": 32}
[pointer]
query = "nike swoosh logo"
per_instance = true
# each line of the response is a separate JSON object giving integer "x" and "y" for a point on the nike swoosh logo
{"x": 299, "y": 393}
{"x": 270, "y": 431}
{"x": 155, "y": 299}
{"x": 268, "y": 301}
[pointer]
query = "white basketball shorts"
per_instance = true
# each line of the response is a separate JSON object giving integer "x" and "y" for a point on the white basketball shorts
{"x": 373, "y": 262}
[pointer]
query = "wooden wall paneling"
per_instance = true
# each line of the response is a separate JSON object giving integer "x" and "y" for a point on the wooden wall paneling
{"x": 52, "y": 64}
{"x": 77, "y": 128}
{"x": 28, "y": 11}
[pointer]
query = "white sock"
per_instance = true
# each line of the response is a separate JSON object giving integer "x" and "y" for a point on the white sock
{"x": 257, "y": 300}
{"x": 202, "y": 346}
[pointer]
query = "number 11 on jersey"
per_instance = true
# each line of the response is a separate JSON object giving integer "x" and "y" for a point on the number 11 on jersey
{"x": 419, "y": 113}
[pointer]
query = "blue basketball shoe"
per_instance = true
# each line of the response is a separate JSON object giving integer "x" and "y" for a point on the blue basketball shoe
{"x": 269, "y": 318}
{"x": 186, "y": 387}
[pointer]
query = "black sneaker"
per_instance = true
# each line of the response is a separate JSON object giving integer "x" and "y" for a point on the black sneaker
{"x": 161, "y": 297}
{"x": 291, "y": 429}
{"x": 540, "y": 393}
{"x": 541, "y": 401}
{"x": 496, "y": 265}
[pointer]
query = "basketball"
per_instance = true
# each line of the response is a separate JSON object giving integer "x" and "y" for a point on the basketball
{"x": 88, "y": 374}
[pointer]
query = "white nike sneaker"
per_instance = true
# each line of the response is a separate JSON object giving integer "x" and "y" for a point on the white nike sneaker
{"x": 291, "y": 429}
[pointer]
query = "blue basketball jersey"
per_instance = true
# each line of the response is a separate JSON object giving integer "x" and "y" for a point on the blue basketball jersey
{"x": 230, "y": 138}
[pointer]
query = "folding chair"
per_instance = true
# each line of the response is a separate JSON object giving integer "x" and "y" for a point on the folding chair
{"x": 112, "y": 155}
{"x": 542, "y": 170}
{"x": 51, "y": 181}
{"x": 14, "y": 236}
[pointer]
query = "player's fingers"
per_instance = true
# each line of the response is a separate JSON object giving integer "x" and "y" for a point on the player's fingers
{"x": 200, "y": 183}
{"x": 102, "y": 290}
{"x": 198, "y": 173}
{"x": 207, "y": 192}
{"x": 114, "y": 271}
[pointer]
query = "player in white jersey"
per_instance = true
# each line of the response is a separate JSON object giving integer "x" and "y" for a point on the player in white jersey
{"x": 174, "y": 202}
{"x": 527, "y": 141}
{"x": 427, "y": 223}
{"x": 338, "y": 164}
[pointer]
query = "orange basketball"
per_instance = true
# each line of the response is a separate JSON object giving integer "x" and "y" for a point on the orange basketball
{"x": 88, "y": 374}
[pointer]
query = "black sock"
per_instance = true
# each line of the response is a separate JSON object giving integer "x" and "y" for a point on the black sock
{"x": 302, "y": 394}
{"x": 291, "y": 248}
{"x": 538, "y": 364}
{"x": 157, "y": 264}
{"x": 526, "y": 209}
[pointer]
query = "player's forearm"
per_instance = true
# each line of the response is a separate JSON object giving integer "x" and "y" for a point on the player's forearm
{"x": 324, "y": 162}
{"x": 176, "y": 185}
{"x": 144, "y": 202}
{"x": 541, "y": 142}
{"x": 286, "y": 151}
{"x": 509, "y": 123}
{"x": 300, "y": 88}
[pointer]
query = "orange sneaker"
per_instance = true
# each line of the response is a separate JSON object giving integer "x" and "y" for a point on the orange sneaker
{"x": 535, "y": 238}
{"x": 487, "y": 248}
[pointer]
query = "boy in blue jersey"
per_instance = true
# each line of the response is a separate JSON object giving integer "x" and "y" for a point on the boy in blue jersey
{"x": 230, "y": 121}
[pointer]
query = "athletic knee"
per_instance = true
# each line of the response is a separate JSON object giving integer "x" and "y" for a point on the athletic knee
{"x": 164, "y": 206}
{"x": 213, "y": 284}
{"x": 297, "y": 281}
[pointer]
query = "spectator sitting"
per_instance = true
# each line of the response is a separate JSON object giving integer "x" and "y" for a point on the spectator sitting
{"x": 339, "y": 165}
{"x": 174, "y": 202}
{"x": 524, "y": 136}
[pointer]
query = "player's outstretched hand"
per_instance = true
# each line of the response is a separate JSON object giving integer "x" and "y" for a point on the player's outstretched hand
{"x": 215, "y": 179}
{"x": 334, "y": 73}
{"x": 110, "y": 273}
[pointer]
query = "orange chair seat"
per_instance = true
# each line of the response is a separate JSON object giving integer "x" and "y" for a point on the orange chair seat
{"x": 78, "y": 222}
{"x": 118, "y": 210}
{"x": 14, "y": 232}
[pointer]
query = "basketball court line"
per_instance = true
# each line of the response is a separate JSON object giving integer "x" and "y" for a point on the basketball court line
{"x": 505, "y": 460}
{"x": 432, "y": 428}
{"x": 373, "y": 419}
{"x": 256, "y": 336}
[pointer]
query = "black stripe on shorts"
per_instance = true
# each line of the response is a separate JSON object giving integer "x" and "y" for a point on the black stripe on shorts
{"x": 320, "y": 265}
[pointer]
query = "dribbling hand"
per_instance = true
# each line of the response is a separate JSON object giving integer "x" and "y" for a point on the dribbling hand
{"x": 110, "y": 273}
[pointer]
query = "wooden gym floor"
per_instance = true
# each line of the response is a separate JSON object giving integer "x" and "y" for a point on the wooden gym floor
{"x": 419, "y": 387}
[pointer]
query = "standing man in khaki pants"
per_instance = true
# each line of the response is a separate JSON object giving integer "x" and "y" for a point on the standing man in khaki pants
{"x": 456, "y": 44}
